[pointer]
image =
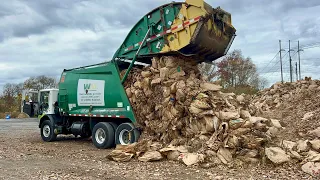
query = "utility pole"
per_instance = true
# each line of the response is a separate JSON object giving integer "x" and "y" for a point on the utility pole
{"x": 281, "y": 62}
{"x": 297, "y": 71}
{"x": 290, "y": 60}
{"x": 299, "y": 60}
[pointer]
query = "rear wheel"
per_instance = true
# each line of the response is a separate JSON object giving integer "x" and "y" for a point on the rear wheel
{"x": 47, "y": 131}
{"x": 114, "y": 125}
{"x": 103, "y": 135}
{"x": 126, "y": 134}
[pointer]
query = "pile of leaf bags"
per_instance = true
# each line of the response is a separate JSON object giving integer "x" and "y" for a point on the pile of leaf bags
{"x": 185, "y": 117}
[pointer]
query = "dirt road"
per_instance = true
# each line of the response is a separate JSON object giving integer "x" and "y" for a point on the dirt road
{"x": 23, "y": 155}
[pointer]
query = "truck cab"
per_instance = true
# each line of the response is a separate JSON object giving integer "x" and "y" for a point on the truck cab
{"x": 47, "y": 101}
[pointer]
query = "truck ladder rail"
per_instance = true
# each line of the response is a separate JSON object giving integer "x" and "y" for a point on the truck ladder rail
{"x": 135, "y": 58}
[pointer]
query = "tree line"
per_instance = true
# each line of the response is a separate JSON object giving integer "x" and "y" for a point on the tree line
{"x": 11, "y": 96}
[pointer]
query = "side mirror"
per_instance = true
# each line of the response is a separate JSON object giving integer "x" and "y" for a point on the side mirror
{"x": 55, "y": 104}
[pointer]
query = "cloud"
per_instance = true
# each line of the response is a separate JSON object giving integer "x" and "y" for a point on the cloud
{"x": 44, "y": 37}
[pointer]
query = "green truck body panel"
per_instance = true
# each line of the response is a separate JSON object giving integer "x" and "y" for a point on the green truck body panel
{"x": 94, "y": 91}
{"x": 156, "y": 20}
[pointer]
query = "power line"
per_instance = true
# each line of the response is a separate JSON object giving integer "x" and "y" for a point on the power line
{"x": 281, "y": 67}
{"x": 272, "y": 65}
{"x": 290, "y": 59}
{"x": 294, "y": 54}
{"x": 286, "y": 62}
{"x": 311, "y": 44}
{"x": 272, "y": 73}
{"x": 269, "y": 62}
{"x": 287, "y": 77}
{"x": 299, "y": 58}
{"x": 307, "y": 46}
{"x": 311, "y": 59}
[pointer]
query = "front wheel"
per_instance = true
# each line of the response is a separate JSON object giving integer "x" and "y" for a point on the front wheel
{"x": 47, "y": 131}
{"x": 126, "y": 134}
{"x": 103, "y": 135}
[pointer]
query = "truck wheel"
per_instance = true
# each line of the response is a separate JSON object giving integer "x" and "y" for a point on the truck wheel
{"x": 114, "y": 125}
{"x": 103, "y": 135}
{"x": 47, "y": 131}
{"x": 126, "y": 134}
{"x": 86, "y": 133}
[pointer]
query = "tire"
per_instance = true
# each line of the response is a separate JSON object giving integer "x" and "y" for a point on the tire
{"x": 115, "y": 126}
{"x": 103, "y": 135}
{"x": 47, "y": 131}
{"x": 86, "y": 133}
{"x": 126, "y": 134}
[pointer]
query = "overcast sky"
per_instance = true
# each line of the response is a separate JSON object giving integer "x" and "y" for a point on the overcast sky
{"x": 42, "y": 37}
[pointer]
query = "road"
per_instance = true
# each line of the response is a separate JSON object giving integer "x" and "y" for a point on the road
{"x": 23, "y": 155}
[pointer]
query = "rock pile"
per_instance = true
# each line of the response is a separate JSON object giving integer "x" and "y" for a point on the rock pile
{"x": 187, "y": 118}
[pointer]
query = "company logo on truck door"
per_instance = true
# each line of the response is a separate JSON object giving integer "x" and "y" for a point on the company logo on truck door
{"x": 90, "y": 92}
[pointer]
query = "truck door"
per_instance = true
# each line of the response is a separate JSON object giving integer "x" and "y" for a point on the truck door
{"x": 44, "y": 102}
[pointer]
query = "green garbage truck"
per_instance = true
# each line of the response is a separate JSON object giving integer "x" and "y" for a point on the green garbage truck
{"x": 91, "y": 100}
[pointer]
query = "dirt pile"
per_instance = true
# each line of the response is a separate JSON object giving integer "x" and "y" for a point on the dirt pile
{"x": 280, "y": 95}
{"x": 186, "y": 118}
{"x": 297, "y": 104}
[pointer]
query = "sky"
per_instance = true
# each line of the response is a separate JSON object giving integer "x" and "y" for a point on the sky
{"x": 43, "y": 37}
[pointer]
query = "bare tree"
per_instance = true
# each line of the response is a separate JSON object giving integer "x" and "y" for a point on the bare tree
{"x": 209, "y": 70}
{"x": 10, "y": 97}
{"x": 235, "y": 71}
{"x": 40, "y": 82}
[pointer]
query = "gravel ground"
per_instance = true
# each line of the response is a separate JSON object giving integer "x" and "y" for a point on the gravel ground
{"x": 23, "y": 155}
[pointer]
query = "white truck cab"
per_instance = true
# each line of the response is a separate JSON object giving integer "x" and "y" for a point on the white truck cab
{"x": 47, "y": 98}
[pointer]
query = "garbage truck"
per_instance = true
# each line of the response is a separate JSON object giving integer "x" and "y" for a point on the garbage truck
{"x": 91, "y": 100}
